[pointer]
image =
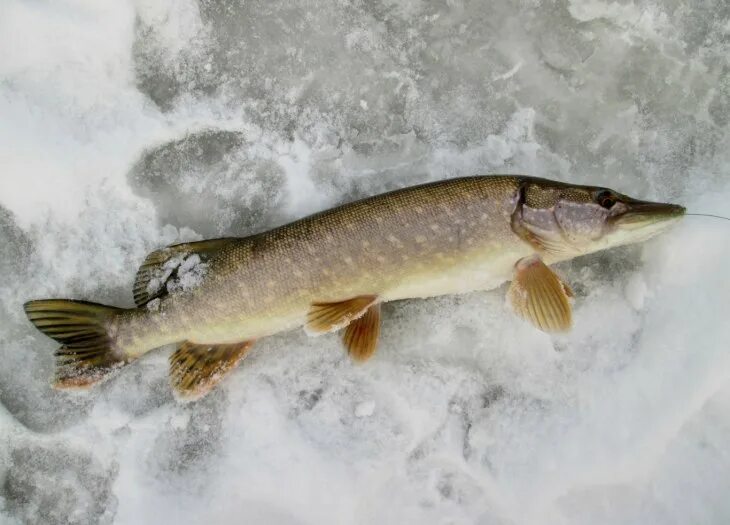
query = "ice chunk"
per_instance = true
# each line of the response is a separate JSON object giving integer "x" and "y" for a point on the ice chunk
{"x": 365, "y": 409}
{"x": 189, "y": 275}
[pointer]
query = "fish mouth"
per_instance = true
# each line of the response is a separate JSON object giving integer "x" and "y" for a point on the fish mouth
{"x": 640, "y": 214}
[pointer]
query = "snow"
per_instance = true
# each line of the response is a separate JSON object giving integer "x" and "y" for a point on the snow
{"x": 130, "y": 125}
{"x": 180, "y": 273}
{"x": 365, "y": 409}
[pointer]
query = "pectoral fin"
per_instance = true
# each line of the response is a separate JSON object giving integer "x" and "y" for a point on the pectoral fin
{"x": 361, "y": 335}
{"x": 323, "y": 318}
{"x": 538, "y": 295}
{"x": 196, "y": 368}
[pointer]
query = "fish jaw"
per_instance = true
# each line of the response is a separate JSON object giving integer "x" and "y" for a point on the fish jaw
{"x": 650, "y": 217}
{"x": 640, "y": 222}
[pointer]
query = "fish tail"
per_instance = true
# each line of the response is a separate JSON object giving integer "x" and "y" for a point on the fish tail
{"x": 88, "y": 351}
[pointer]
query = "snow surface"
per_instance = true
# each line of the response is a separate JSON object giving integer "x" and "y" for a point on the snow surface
{"x": 125, "y": 126}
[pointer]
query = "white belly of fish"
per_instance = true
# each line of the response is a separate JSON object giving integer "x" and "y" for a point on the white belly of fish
{"x": 474, "y": 273}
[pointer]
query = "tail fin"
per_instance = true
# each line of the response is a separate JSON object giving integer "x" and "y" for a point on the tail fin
{"x": 88, "y": 352}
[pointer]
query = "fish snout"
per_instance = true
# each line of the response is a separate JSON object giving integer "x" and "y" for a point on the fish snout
{"x": 639, "y": 214}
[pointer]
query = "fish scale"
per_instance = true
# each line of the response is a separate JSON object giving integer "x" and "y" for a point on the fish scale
{"x": 417, "y": 242}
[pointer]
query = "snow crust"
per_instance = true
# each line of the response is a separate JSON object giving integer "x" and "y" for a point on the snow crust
{"x": 129, "y": 125}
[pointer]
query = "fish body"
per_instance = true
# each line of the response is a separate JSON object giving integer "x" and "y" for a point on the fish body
{"x": 331, "y": 270}
{"x": 443, "y": 238}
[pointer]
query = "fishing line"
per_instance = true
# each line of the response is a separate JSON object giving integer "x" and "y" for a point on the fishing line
{"x": 708, "y": 215}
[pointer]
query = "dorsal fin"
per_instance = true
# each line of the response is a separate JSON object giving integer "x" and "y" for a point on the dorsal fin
{"x": 162, "y": 265}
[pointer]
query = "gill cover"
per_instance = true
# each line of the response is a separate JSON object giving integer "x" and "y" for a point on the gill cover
{"x": 557, "y": 219}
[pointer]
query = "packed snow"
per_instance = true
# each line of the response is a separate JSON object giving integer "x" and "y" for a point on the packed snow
{"x": 129, "y": 125}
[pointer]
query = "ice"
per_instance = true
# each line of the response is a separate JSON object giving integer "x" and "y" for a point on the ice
{"x": 130, "y": 125}
{"x": 52, "y": 484}
{"x": 190, "y": 274}
{"x": 365, "y": 409}
{"x": 212, "y": 181}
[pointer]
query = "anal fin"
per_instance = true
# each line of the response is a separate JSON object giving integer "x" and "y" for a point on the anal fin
{"x": 538, "y": 295}
{"x": 323, "y": 318}
{"x": 361, "y": 335}
{"x": 195, "y": 369}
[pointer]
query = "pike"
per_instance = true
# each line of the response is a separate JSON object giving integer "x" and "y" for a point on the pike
{"x": 333, "y": 270}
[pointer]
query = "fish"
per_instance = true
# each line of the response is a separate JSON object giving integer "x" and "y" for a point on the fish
{"x": 333, "y": 270}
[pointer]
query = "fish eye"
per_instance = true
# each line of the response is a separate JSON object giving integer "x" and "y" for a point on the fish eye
{"x": 606, "y": 199}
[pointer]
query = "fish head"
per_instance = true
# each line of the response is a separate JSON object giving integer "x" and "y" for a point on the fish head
{"x": 566, "y": 220}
